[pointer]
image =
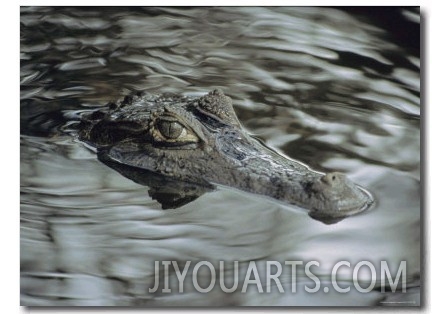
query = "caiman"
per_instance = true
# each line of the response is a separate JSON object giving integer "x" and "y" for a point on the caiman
{"x": 200, "y": 140}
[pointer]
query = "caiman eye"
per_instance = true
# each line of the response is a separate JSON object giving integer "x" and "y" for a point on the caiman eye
{"x": 169, "y": 130}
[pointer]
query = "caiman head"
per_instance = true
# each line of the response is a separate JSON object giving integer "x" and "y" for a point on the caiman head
{"x": 200, "y": 140}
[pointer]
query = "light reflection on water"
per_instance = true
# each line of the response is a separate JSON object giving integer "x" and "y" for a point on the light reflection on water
{"x": 320, "y": 85}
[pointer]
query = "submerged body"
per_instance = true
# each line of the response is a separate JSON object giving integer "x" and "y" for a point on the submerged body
{"x": 200, "y": 140}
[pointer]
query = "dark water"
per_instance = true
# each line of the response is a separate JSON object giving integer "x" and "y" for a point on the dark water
{"x": 336, "y": 89}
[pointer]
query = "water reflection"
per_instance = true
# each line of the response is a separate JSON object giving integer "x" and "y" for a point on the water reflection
{"x": 330, "y": 88}
{"x": 168, "y": 192}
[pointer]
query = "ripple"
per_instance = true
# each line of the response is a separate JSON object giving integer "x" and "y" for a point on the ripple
{"x": 81, "y": 64}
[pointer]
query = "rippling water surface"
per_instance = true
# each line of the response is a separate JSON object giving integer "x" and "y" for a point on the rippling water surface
{"x": 336, "y": 89}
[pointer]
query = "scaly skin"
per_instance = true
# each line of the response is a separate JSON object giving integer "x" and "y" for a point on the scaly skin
{"x": 200, "y": 140}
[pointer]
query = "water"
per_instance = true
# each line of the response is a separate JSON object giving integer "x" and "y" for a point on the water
{"x": 336, "y": 89}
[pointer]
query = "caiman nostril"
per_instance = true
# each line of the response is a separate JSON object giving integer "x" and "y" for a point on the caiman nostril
{"x": 332, "y": 178}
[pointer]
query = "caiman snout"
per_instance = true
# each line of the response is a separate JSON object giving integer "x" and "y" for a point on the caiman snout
{"x": 336, "y": 193}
